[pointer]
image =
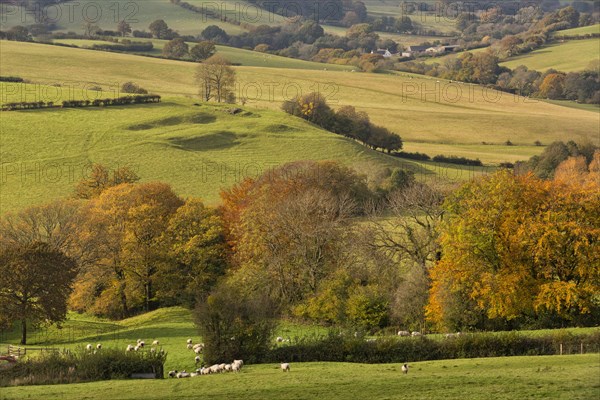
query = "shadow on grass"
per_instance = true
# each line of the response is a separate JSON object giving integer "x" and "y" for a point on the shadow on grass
{"x": 214, "y": 141}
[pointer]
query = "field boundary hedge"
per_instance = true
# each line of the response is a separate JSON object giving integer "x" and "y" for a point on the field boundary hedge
{"x": 347, "y": 348}
{"x": 119, "y": 101}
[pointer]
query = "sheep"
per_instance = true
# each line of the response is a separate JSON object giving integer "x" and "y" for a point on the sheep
{"x": 403, "y": 333}
{"x": 173, "y": 374}
{"x": 183, "y": 374}
{"x": 416, "y": 334}
{"x": 129, "y": 348}
{"x": 198, "y": 350}
{"x": 138, "y": 341}
{"x": 141, "y": 343}
{"x": 279, "y": 339}
{"x": 204, "y": 371}
{"x": 137, "y": 348}
{"x": 214, "y": 369}
{"x": 405, "y": 369}
{"x": 236, "y": 367}
{"x": 153, "y": 350}
{"x": 155, "y": 343}
{"x": 190, "y": 341}
{"x": 198, "y": 345}
{"x": 285, "y": 367}
{"x": 228, "y": 368}
{"x": 221, "y": 367}
{"x": 197, "y": 359}
{"x": 193, "y": 374}
{"x": 240, "y": 362}
{"x": 189, "y": 346}
{"x": 99, "y": 346}
{"x": 89, "y": 347}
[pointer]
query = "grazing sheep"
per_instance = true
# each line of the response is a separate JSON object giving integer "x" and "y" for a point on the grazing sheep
{"x": 99, "y": 346}
{"x": 279, "y": 339}
{"x": 198, "y": 345}
{"x": 190, "y": 341}
{"x": 228, "y": 368}
{"x": 405, "y": 368}
{"x": 141, "y": 343}
{"x": 129, "y": 348}
{"x": 416, "y": 334}
{"x": 183, "y": 374}
{"x": 240, "y": 362}
{"x": 153, "y": 350}
{"x": 221, "y": 367}
{"x": 138, "y": 341}
{"x": 189, "y": 346}
{"x": 155, "y": 343}
{"x": 236, "y": 367}
{"x": 198, "y": 350}
{"x": 403, "y": 333}
{"x": 214, "y": 369}
{"x": 136, "y": 348}
{"x": 89, "y": 347}
{"x": 197, "y": 359}
{"x": 285, "y": 367}
{"x": 172, "y": 374}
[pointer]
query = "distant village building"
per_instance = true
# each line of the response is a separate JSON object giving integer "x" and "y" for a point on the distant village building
{"x": 383, "y": 52}
{"x": 414, "y": 50}
{"x": 441, "y": 49}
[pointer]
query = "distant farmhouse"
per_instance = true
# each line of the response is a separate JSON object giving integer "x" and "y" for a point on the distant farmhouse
{"x": 383, "y": 52}
{"x": 417, "y": 50}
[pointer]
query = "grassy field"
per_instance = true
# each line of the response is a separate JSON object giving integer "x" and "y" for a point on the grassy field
{"x": 107, "y": 13}
{"x": 544, "y": 377}
{"x": 420, "y": 109}
{"x": 199, "y": 150}
{"x": 584, "y": 30}
{"x": 573, "y": 55}
{"x": 234, "y": 55}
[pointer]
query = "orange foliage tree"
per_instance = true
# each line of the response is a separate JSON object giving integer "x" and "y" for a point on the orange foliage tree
{"x": 517, "y": 246}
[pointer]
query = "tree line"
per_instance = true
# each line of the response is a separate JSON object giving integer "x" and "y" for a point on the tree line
{"x": 118, "y": 101}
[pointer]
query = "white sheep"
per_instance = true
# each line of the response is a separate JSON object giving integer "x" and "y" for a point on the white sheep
{"x": 198, "y": 345}
{"x": 89, "y": 347}
{"x": 228, "y": 368}
{"x": 285, "y": 367}
{"x": 416, "y": 334}
{"x": 405, "y": 368}
{"x": 136, "y": 348}
{"x": 129, "y": 348}
{"x": 236, "y": 367}
{"x": 190, "y": 341}
{"x": 214, "y": 369}
{"x": 279, "y": 339}
{"x": 173, "y": 374}
{"x": 189, "y": 346}
{"x": 204, "y": 371}
{"x": 198, "y": 350}
{"x": 99, "y": 346}
{"x": 403, "y": 333}
{"x": 141, "y": 343}
{"x": 153, "y": 350}
{"x": 183, "y": 374}
{"x": 155, "y": 343}
{"x": 221, "y": 367}
{"x": 239, "y": 362}
{"x": 197, "y": 359}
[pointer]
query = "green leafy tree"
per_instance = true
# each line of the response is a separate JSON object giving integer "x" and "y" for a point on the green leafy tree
{"x": 35, "y": 282}
{"x": 176, "y": 48}
{"x": 202, "y": 51}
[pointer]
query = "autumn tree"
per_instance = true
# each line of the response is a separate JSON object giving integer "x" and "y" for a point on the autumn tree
{"x": 175, "y": 48}
{"x": 216, "y": 79}
{"x": 517, "y": 246}
{"x": 35, "y": 282}
{"x": 123, "y": 28}
{"x": 101, "y": 178}
{"x": 552, "y": 87}
{"x": 202, "y": 51}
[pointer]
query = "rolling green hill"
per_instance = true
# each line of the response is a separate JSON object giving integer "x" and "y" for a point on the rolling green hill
{"x": 583, "y": 30}
{"x": 420, "y": 109}
{"x": 573, "y": 55}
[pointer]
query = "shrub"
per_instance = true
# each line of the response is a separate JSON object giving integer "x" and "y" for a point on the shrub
{"x": 346, "y": 347}
{"x": 131, "y": 87}
{"x": 457, "y": 160}
{"x": 11, "y": 79}
{"x": 413, "y": 156}
{"x": 235, "y": 325}
{"x": 82, "y": 366}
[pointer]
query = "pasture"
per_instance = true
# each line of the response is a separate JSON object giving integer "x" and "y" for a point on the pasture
{"x": 572, "y": 55}
{"x": 582, "y": 30}
{"x": 420, "y": 109}
{"x": 556, "y": 377}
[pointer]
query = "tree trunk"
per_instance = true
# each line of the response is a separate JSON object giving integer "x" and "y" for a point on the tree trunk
{"x": 23, "y": 331}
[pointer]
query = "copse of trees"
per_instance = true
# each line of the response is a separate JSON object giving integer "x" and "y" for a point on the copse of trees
{"x": 216, "y": 80}
{"x": 346, "y": 121}
{"x": 544, "y": 166}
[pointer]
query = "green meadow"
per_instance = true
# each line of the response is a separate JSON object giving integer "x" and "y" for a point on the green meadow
{"x": 573, "y": 55}
{"x": 583, "y": 30}
{"x": 544, "y": 377}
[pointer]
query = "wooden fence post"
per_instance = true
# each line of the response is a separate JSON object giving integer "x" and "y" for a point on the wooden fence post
{"x": 561, "y": 349}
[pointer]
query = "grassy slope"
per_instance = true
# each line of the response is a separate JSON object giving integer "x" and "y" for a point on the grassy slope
{"x": 555, "y": 377}
{"x": 573, "y": 55}
{"x": 198, "y": 150}
{"x": 584, "y": 30}
{"x": 183, "y": 21}
{"x": 466, "y": 116}
{"x": 539, "y": 377}
{"x": 237, "y": 56}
